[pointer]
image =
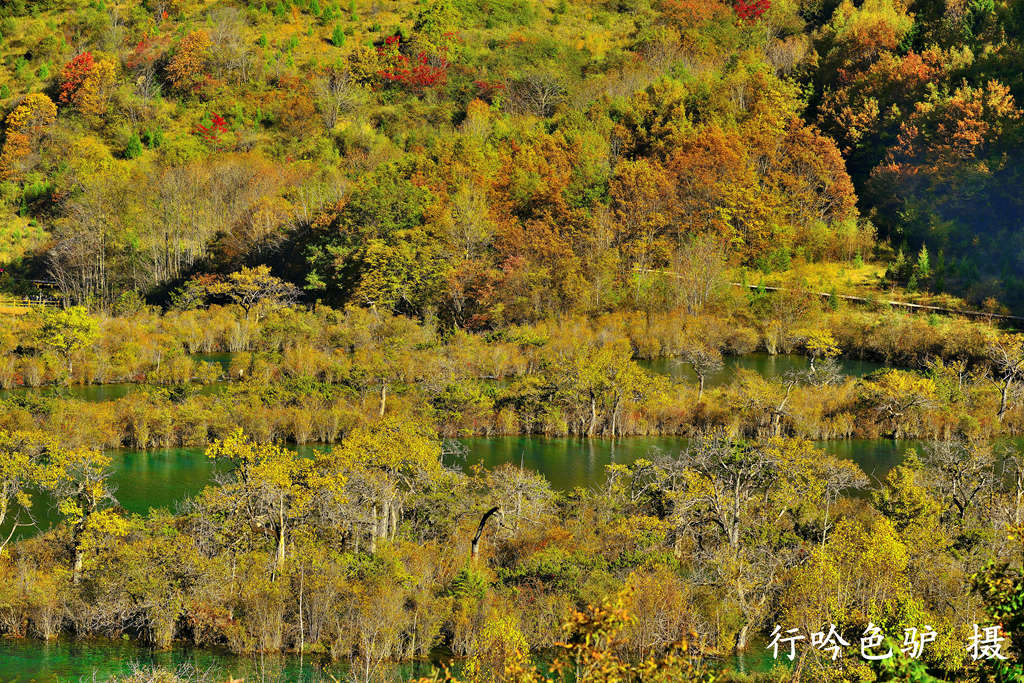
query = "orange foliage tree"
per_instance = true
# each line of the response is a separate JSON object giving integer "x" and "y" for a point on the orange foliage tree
{"x": 26, "y": 125}
{"x": 645, "y": 211}
{"x": 539, "y": 229}
{"x": 691, "y": 13}
{"x": 950, "y": 160}
{"x": 187, "y": 68}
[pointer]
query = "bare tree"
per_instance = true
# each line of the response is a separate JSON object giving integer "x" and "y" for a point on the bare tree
{"x": 729, "y": 486}
{"x": 705, "y": 357}
{"x": 837, "y": 479}
{"x": 231, "y": 53}
{"x": 961, "y": 472}
{"x": 522, "y": 496}
{"x": 1012, "y": 461}
{"x": 471, "y": 230}
{"x": 537, "y": 93}
{"x": 335, "y": 93}
{"x": 700, "y": 265}
{"x": 147, "y": 83}
{"x": 1006, "y": 355}
{"x": 731, "y": 476}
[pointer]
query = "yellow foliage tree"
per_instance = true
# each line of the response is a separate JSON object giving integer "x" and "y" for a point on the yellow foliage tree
{"x": 19, "y": 471}
{"x": 94, "y": 95}
{"x": 269, "y": 483}
{"x": 29, "y": 122}
{"x": 77, "y": 478}
{"x": 384, "y": 462}
{"x": 900, "y": 396}
{"x": 187, "y": 68}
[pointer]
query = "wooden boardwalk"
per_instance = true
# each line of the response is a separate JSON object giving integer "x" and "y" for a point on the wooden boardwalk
{"x": 1015, "y": 320}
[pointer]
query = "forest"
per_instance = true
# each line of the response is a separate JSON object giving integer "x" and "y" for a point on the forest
{"x": 300, "y": 299}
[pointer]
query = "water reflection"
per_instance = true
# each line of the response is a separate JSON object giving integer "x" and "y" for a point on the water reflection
{"x": 37, "y": 661}
{"x": 764, "y": 364}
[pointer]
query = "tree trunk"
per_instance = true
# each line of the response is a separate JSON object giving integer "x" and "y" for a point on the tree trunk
{"x": 280, "y": 536}
{"x": 593, "y": 416}
{"x": 474, "y": 548}
{"x": 383, "y": 398}
{"x": 385, "y": 520}
{"x": 76, "y": 569}
{"x": 373, "y": 532}
{"x": 741, "y": 637}
{"x": 302, "y": 629}
{"x": 824, "y": 526}
{"x": 78, "y": 558}
{"x": 1018, "y": 498}
{"x": 1004, "y": 395}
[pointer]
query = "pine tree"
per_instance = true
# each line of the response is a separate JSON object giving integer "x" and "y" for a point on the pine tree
{"x": 134, "y": 147}
{"x": 923, "y": 268}
{"x": 338, "y": 36}
{"x": 897, "y": 269}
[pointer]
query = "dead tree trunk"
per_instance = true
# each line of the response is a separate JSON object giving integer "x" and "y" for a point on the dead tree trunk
{"x": 474, "y": 549}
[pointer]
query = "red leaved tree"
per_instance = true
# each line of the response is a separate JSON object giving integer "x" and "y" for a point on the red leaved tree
{"x": 73, "y": 76}
{"x": 218, "y": 126}
{"x": 416, "y": 73}
{"x": 751, "y": 10}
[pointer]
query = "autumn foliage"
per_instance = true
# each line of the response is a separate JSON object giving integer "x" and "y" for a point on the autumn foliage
{"x": 549, "y": 155}
{"x": 415, "y": 72}
{"x": 751, "y": 10}
{"x": 73, "y": 76}
{"x": 931, "y": 150}
{"x": 212, "y": 133}
{"x": 689, "y": 14}
{"x": 24, "y": 127}
{"x": 86, "y": 82}
{"x": 186, "y": 70}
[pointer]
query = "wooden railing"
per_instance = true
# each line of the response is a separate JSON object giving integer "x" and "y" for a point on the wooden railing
{"x": 29, "y": 302}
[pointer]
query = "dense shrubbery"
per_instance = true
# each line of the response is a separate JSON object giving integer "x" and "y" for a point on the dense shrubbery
{"x": 311, "y": 376}
{"x": 363, "y": 553}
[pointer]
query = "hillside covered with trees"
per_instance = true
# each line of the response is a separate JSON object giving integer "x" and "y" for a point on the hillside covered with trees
{"x": 306, "y": 260}
{"x": 499, "y": 162}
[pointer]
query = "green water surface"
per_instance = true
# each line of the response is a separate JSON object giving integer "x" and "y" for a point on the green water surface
{"x": 163, "y": 478}
{"x": 763, "y": 364}
{"x": 64, "y": 660}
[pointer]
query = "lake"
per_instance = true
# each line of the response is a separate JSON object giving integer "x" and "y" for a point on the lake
{"x": 34, "y": 661}
{"x": 761, "y": 363}
{"x": 162, "y": 478}
{"x": 64, "y": 660}
{"x": 111, "y": 392}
